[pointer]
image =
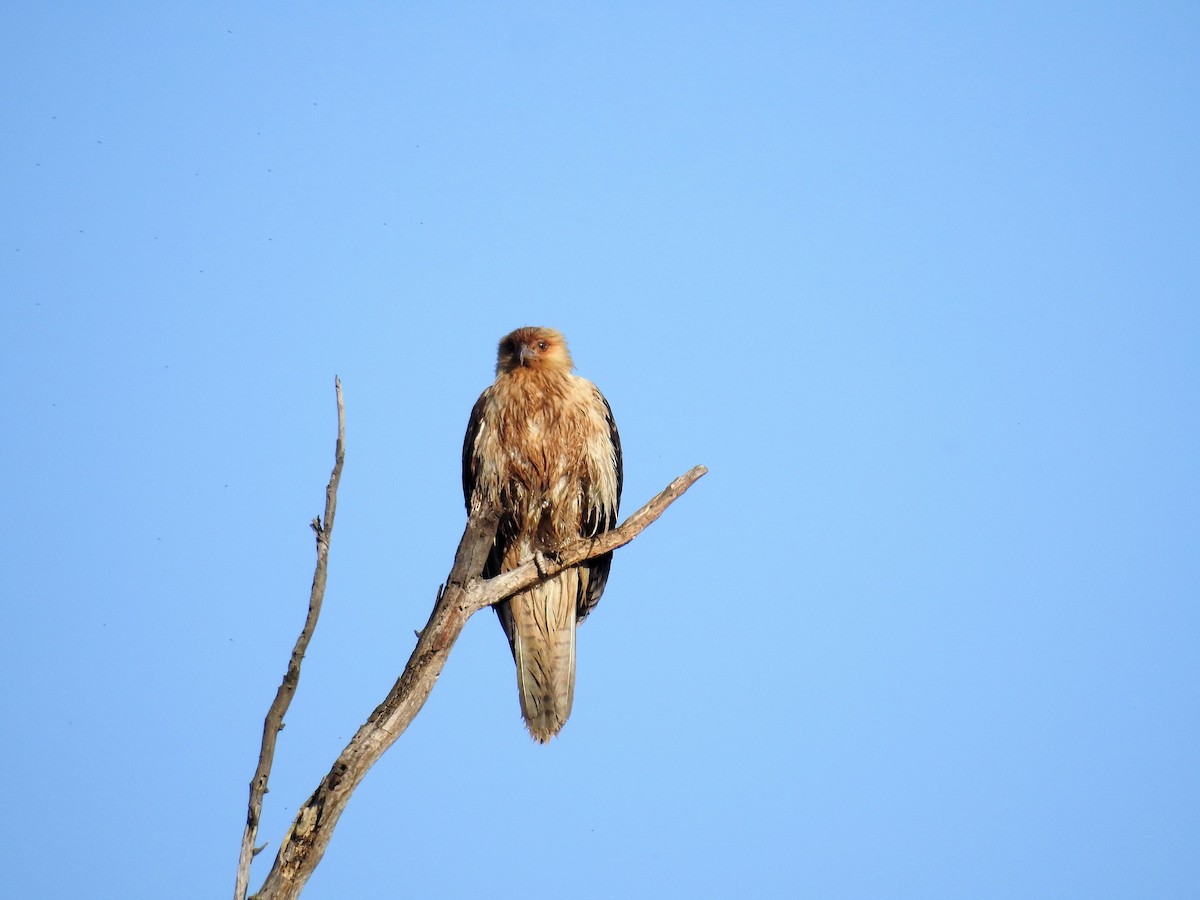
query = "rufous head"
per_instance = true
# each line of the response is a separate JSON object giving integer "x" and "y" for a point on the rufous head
{"x": 533, "y": 348}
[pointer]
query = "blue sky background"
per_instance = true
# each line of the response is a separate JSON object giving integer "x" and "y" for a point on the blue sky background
{"x": 918, "y": 282}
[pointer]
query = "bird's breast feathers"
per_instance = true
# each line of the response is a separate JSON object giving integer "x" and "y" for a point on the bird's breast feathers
{"x": 546, "y": 440}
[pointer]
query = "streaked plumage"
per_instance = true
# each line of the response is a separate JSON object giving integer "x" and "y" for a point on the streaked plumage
{"x": 543, "y": 445}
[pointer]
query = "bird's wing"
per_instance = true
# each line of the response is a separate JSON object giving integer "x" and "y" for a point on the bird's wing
{"x": 602, "y": 504}
{"x": 470, "y": 465}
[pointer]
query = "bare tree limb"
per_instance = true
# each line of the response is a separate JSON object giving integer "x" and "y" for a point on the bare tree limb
{"x": 485, "y": 592}
{"x": 291, "y": 678}
{"x": 464, "y": 594}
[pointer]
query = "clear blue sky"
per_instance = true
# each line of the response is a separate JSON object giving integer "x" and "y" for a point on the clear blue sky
{"x": 918, "y": 282}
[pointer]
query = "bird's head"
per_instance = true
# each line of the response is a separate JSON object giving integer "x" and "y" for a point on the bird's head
{"x": 535, "y": 349}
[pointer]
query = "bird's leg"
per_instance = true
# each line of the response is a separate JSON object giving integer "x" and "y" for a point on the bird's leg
{"x": 546, "y": 537}
{"x": 543, "y": 560}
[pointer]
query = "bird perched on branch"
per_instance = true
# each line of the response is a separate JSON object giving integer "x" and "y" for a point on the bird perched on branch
{"x": 542, "y": 446}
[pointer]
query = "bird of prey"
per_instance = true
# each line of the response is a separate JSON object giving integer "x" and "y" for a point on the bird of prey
{"x": 542, "y": 446}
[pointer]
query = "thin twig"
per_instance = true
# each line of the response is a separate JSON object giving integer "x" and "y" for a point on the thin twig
{"x": 464, "y": 594}
{"x": 291, "y": 678}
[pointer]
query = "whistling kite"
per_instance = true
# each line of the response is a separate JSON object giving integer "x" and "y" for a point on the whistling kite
{"x": 543, "y": 447}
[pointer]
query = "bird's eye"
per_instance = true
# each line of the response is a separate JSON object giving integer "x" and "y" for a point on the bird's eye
{"x": 542, "y": 345}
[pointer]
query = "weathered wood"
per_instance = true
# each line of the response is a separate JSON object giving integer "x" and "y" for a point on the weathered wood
{"x": 291, "y": 677}
{"x": 465, "y": 593}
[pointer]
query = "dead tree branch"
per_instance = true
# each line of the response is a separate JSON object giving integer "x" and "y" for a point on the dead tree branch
{"x": 464, "y": 594}
{"x": 291, "y": 678}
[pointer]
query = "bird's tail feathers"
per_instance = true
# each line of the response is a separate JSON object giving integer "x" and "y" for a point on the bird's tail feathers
{"x": 543, "y": 636}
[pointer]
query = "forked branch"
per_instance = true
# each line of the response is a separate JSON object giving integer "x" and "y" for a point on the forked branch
{"x": 464, "y": 594}
{"x": 291, "y": 678}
